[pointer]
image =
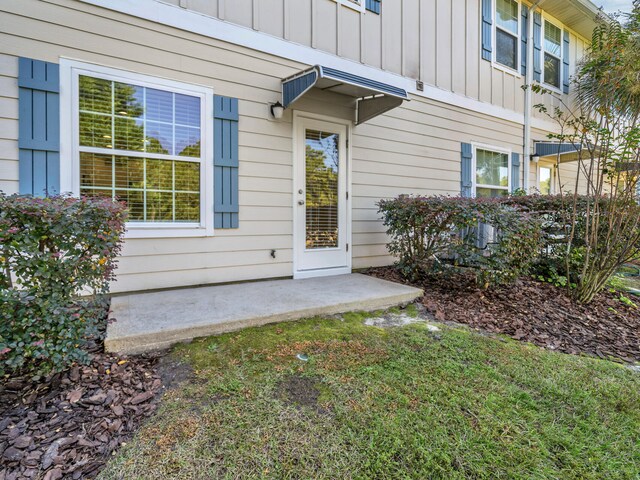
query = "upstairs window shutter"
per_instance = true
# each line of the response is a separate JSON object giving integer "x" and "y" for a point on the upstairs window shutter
{"x": 487, "y": 28}
{"x": 373, "y": 6}
{"x": 524, "y": 35}
{"x": 466, "y": 173}
{"x": 565, "y": 62}
{"x": 515, "y": 171}
{"x": 537, "y": 46}
{"x": 225, "y": 162}
{"x": 39, "y": 127}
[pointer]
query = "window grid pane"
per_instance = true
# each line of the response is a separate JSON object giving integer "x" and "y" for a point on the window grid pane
{"x": 506, "y": 49}
{"x": 552, "y": 39}
{"x": 127, "y": 117}
{"x": 492, "y": 169}
{"x": 551, "y": 70}
{"x": 507, "y": 15}
{"x": 121, "y": 117}
{"x": 155, "y": 190}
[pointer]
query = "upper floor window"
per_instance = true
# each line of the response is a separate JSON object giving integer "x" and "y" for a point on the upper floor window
{"x": 507, "y": 33}
{"x": 552, "y": 54}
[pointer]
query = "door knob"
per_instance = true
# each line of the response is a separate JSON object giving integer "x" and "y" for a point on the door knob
{"x": 300, "y": 202}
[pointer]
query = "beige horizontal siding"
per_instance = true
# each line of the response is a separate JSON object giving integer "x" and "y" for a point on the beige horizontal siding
{"x": 413, "y": 149}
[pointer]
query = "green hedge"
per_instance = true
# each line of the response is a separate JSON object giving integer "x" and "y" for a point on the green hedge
{"x": 57, "y": 259}
{"x": 431, "y": 233}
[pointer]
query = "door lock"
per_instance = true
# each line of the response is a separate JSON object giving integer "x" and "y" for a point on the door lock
{"x": 300, "y": 202}
{"x": 300, "y": 191}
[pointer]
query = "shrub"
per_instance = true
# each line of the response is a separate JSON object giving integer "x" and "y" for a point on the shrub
{"x": 57, "y": 259}
{"x": 429, "y": 233}
{"x": 568, "y": 233}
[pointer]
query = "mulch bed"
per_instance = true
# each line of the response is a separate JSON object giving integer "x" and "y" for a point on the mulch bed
{"x": 68, "y": 425}
{"x": 535, "y": 312}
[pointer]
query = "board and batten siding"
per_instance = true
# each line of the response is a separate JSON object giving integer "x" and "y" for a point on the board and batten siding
{"x": 436, "y": 41}
{"x": 412, "y": 149}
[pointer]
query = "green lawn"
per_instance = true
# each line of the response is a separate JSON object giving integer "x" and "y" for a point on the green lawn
{"x": 390, "y": 403}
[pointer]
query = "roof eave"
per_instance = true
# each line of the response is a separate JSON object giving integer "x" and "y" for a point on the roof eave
{"x": 578, "y": 15}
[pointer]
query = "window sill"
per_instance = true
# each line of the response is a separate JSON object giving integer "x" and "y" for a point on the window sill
{"x": 507, "y": 70}
{"x": 359, "y": 7}
{"x": 166, "y": 232}
{"x": 552, "y": 88}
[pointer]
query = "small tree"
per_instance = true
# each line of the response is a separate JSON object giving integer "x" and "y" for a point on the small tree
{"x": 604, "y": 127}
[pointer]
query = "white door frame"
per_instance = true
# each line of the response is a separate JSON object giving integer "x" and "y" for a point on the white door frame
{"x": 296, "y": 135}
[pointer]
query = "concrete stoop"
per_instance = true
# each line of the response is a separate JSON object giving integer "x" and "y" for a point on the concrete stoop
{"x": 156, "y": 320}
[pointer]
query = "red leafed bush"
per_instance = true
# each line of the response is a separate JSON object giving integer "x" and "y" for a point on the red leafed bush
{"x": 57, "y": 258}
{"x": 497, "y": 240}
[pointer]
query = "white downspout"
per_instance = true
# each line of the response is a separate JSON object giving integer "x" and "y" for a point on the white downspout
{"x": 528, "y": 95}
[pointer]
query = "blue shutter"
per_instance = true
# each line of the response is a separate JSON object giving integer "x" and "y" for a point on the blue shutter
{"x": 487, "y": 29}
{"x": 565, "y": 62}
{"x": 524, "y": 35}
{"x": 225, "y": 162}
{"x": 39, "y": 127}
{"x": 373, "y": 6}
{"x": 515, "y": 171}
{"x": 466, "y": 179}
{"x": 537, "y": 46}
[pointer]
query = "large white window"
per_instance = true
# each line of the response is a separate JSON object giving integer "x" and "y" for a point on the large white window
{"x": 492, "y": 172}
{"x": 146, "y": 142}
{"x": 507, "y": 35}
{"x": 552, "y": 51}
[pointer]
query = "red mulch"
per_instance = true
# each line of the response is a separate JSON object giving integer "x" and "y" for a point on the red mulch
{"x": 535, "y": 312}
{"x": 68, "y": 425}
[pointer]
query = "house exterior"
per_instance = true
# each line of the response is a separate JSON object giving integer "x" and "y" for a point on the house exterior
{"x": 175, "y": 107}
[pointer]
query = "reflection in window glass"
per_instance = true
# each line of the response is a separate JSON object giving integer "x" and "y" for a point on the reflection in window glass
{"x": 506, "y": 49}
{"x": 321, "y": 172}
{"x": 164, "y": 190}
{"x": 127, "y": 117}
{"x": 117, "y": 119}
{"x": 551, "y": 70}
{"x": 507, "y": 15}
{"x": 507, "y": 29}
{"x": 492, "y": 173}
{"x": 544, "y": 180}
{"x": 552, "y": 54}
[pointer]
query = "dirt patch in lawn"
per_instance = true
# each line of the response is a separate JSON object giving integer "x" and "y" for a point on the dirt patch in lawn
{"x": 535, "y": 312}
{"x": 68, "y": 425}
{"x": 173, "y": 373}
{"x": 301, "y": 391}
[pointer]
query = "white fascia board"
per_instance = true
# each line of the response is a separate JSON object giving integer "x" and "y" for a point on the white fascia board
{"x": 177, "y": 17}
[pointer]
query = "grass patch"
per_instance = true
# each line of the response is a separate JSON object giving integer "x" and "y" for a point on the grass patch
{"x": 387, "y": 403}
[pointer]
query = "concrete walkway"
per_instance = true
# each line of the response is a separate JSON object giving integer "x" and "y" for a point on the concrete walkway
{"x": 149, "y": 321}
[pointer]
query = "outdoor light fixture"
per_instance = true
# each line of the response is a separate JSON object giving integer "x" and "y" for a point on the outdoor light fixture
{"x": 277, "y": 110}
{"x": 535, "y": 158}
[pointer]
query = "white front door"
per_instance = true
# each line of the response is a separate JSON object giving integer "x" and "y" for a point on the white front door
{"x": 321, "y": 199}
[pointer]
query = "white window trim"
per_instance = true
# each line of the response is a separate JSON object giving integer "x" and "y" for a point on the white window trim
{"x": 494, "y": 42}
{"x": 491, "y": 148}
{"x": 552, "y": 183}
{"x": 357, "y": 5}
{"x": 546, "y": 18}
{"x": 70, "y": 70}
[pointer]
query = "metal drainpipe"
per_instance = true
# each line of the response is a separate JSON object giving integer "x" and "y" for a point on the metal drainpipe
{"x": 528, "y": 95}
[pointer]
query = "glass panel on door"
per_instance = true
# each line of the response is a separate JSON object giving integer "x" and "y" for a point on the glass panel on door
{"x": 322, "y": 189}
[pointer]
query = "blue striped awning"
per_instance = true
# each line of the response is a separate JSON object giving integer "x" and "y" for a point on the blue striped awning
{"x": 546, "y": 149}
{"x": 564, "y": 151}
{"x": 373, "y": 98}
